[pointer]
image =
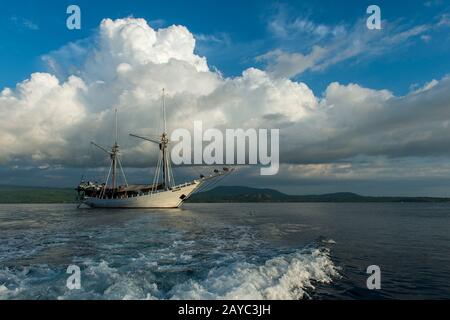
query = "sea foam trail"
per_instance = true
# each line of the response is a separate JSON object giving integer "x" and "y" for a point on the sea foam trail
{"x": 287, "y": 277}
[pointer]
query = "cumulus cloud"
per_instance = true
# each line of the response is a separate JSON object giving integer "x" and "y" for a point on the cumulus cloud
{"x": 37, "y": 117}
{"x": 353, "y": 121}
{"x": 51, "y": 117}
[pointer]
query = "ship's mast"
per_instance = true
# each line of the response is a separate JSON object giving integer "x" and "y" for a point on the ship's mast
{"x": 163, "y": 146}
{"x": 115, "y": 160}
{"x": 114, "y": 152}
{"x": 163, "y": 143}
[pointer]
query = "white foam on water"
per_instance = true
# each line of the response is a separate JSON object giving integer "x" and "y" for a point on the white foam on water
{"x": 287, "y": 277}
{"x": 186, "y": 257}
{"x": 6, "y": 293}
{"x": 11, "y": 283}
{"x": 102, "y": 281}
{"x": 3, "y": 291}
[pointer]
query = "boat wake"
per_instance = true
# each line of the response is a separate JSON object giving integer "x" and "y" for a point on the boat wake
{"x": 286, "y": 276}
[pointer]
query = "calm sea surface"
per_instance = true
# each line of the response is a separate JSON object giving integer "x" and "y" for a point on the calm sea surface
{"x": 226, "y": 251}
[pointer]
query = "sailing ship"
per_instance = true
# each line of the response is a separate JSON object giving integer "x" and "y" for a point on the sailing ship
{"x": 162, "y": 193}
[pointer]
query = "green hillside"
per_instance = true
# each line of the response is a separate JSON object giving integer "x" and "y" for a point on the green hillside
{"x": 246, "y": 194}
{"x": 17, "y": 194}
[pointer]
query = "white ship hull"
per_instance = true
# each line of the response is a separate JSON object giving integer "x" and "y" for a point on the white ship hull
{"x": 162, "y": 199}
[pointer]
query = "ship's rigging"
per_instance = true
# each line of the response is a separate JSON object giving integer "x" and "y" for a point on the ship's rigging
{"x": 162, "y": 193}
{"x": 115, "y": 162}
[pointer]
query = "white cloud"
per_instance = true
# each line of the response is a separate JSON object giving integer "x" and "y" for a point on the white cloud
{"x": 24, "y": 23}
{"x": 49, "y": 119}
{"x": 288, "y": 65}
{"x": 444, "y": 20}
{"x": 282, "y": 26}
{"x": 37, "y": 116}
{"x": 351, "y": 43}
{"x": 219, "y": 38}
{"x": 125, "y": 66}
{"x": 336, "y": 43}
{"x": 427, "y": 86}
{"x": 425, "y": 38}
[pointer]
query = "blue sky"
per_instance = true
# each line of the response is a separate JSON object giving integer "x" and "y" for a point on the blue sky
{"x": 360, "y": 110}
{"x": 239, "y": 32}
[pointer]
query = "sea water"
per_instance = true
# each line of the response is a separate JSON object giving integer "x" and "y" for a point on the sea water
{"x": 226, "y": 251}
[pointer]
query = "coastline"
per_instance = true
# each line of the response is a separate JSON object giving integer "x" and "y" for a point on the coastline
{"x": 232, "y": 194}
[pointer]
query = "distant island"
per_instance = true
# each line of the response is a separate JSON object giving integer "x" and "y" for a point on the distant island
{"x": 247, "y": 194}
{"x": 19, "y": 194}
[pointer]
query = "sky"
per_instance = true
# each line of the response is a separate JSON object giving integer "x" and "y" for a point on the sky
{"x": 359, "y": 110}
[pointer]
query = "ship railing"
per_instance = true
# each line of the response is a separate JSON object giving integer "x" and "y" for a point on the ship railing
{"x": 174, "y": 188}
